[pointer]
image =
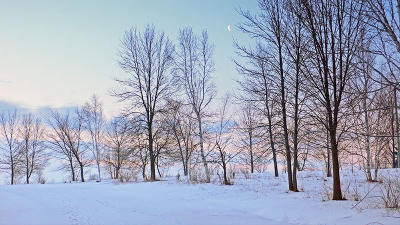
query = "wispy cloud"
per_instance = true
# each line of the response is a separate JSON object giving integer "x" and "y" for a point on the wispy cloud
{"x": 43, "y": 111}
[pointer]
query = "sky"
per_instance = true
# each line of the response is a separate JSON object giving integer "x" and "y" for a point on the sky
{"x": 60, "y": 53}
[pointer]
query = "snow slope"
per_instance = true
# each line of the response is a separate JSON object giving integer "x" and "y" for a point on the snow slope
{"x": 262, "y": 199}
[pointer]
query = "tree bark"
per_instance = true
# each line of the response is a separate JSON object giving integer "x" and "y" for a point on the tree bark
{"x": 284, "y": 118}
{"x": 367, "y": 130}
{"x": 397, "y": 127}
{"x": 151, "y": 152}
{"x": 203, "y": 157}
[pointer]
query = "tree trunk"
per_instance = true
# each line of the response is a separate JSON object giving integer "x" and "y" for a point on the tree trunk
{"x": 118, "y": 162}
{"x": 369, "y": 176}
{"x": 158, "y": 168}
{"x": 269, "y": 116}
{"x": 116, "y": 173}
{"x": 98, "y": 170}
{"x": 251, "y": 152}
{"x": 82, "y": 174}
{"x": 225, "y": 177}
{"x": 27, "y": 162}
{"x": 72, "y": 170}
{"x": 151, "y": 152}
{"x": 397, "y": 128}
{"x": 203, "y": 157}
{"x": 376, "y": 168}
{"x": 296, "y": 119}
{"x": 393, "y": 141}
{"x": 144, "y": 172}
{"x": 337, "y": 192}
{"x": 271, "y": 139}
{"x": 328, "y": 167}
{"x": 12, "y": 170}
{"x": 284, "y": 119}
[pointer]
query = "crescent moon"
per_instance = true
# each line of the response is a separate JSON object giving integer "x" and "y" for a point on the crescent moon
{"x": 229, "y": 27}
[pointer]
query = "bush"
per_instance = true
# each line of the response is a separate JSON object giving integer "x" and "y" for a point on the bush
{"x": 245, "y": 173}
{"x": 128, "y": 176}
{"x": 325, "y": 193}
{"x": 390, "y": 190}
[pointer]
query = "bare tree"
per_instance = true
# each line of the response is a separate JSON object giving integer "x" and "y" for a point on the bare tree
{"x": 295, "y": 43}
{"x": 55, "y": 142}
{"x": 183, "y": 129}
{"x": 334, "y": 28}
{"x": 146, "y": 58}
{"x": 383, "y": 17}
{"x": 193, "y": 67}
{"x": 118, "y": 143}
{"x": 141, "y": 156}
{"x": 259, "y": 88}
{"x": 267, "y": 29}
{"x": 32, "y": 134}
{"x": 223, "y": 138}
{"x": 93, "y": 121}
{"x": 11, "y": 159}
{"x": 251, "y": 137}
{"x": 162, "y": 142}
{"x": 67, "y": 138}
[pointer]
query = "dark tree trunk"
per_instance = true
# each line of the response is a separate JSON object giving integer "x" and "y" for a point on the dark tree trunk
{"x": 72, "y": 170}
{"x": 12, "y": 170}
{"x": 269, "y": 116}
{"x": 296, "y": 115}
{"x": 226, "y": 182}
{"x": 118, "y": 167}
{"x": 251, "y": 153}
{"x": 151, "y": 152}
{"x": 82, "y": 174}
{"x": 328, "y": 165}
{"x": 158, "y": 168}
{"x": 337, "y": 192}
{"x": 27, "y": 162}
{"x": 397, "y": 128}
{"x": 271, "y": 139}
{"x": 144, "y": 172}
{"x": 225, "y": 177}
{"x": 393, "y": 141}
{"x": 284, "y": 117}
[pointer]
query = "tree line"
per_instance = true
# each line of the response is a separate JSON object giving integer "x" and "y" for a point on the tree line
{"x": 318, "y": 83}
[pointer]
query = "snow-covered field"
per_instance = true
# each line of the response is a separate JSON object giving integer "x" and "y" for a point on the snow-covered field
{"x": 262, "y": 199}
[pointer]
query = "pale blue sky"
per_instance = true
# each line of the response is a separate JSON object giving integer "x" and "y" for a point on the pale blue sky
{"x": 59, "y": 53}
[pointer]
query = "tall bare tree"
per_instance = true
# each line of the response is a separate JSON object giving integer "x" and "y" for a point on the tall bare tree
{"x": 146, "y": 58}
{"x": 32, "y": 134}
{"x": 334, "y": 27}
{"x": 193, "y": 67}
{"x": 383, "y": 17}
{"x": 223, "y": 138}
{"x": 267, "y": 28}
{"x": 93, "y": 121}
{"x": 295, "y": 44}
{"x": 258, "y": 87}
{"x": 11, "y": 159}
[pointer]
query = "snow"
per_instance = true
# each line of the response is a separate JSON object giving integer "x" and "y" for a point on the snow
{"x": 262, "y": 199}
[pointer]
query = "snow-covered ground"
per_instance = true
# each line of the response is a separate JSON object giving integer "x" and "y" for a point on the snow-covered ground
{"x": 262, "y": 199}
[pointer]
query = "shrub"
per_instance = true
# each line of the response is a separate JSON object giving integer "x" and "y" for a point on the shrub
{"x": 390, "y": 190}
